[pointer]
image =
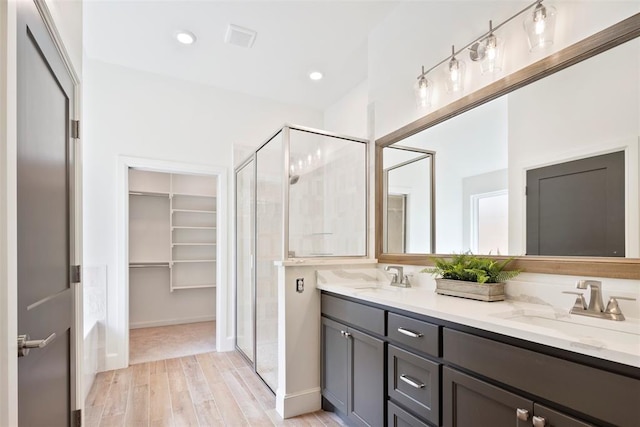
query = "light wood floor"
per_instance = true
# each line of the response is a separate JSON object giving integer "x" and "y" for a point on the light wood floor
{"x": 209, "y": 389}
{"x": 166, "y": 342}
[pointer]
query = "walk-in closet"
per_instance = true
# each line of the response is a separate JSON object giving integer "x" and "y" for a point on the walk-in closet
{"x": 172, "y": 264}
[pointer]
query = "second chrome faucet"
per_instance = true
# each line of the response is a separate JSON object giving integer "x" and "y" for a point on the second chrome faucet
{"x": 596, "y": 306}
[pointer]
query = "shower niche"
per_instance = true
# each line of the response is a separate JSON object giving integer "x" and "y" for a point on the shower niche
{"x": 301, "y": 194}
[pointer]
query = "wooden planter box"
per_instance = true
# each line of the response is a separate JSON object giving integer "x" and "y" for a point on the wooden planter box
{"x": 472, "y": 290}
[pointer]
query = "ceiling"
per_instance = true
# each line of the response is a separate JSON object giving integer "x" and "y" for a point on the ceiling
{"x": 294, "y": 38}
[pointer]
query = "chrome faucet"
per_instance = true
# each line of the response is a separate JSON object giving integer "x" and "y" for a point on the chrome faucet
{"x": 596, "y": 306}
{"x": 398, "y": 278}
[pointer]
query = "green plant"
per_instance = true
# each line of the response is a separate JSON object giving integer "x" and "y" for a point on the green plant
{"x": 471, "y": 268}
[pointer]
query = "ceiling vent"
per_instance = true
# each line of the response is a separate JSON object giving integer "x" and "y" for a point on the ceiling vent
{"x": 239, "y": 36}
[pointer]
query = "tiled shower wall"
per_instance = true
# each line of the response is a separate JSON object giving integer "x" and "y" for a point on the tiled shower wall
{"x": 327, "y": 206}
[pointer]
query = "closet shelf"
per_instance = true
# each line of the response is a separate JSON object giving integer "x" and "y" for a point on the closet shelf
{"x": 209, "y": 196}
{"x": 177, "y": 261}
{"x": 148, "y": 264}
{"x": 193, "y": 244}
{"x": 185, "y": 227}
{"x": 194, "y": 211}
{"x": 148, "y": 193}
{"x": 204, "y": 285}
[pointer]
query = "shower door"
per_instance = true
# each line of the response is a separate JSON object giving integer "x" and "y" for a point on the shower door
{"x": 245, "y": 249}
{"x": 269, "y": 248}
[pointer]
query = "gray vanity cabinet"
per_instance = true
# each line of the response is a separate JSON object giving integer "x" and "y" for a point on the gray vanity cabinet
{"x": 468, "y": 401}
{"x": 353, "y": 362}
{"x": 335, "y": 353}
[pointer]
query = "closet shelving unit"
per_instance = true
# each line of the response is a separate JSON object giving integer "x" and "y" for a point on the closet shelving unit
{"x": 185, "y": 242}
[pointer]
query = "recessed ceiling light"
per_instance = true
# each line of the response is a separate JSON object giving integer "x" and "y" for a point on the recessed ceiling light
{"x": 315, "y": 75}
{"x": 185, "y": 37}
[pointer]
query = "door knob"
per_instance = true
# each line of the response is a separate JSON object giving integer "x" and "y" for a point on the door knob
{"x": 24, "y": 344}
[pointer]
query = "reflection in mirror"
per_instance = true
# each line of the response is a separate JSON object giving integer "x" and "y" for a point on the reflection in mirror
{"x": 488, "y": 155}
{"x": 408, "y": 188}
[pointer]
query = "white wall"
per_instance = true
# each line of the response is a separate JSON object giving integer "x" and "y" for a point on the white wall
{"x": 138, "y": 114}
{"x": 409, "y": 38}
{"x": 348, "y": 115}
{"x": 71, "y": 36}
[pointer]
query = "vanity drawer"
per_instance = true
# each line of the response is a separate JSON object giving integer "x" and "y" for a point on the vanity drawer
{"x": 398, "y": 417}
{"x": 416, "y": 334}
{"x": 595, "y": 392}
{"x": 359, "y": 315}
{"x": 414, "y": 382}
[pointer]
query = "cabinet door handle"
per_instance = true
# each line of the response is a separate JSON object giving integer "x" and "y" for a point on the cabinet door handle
{"x": 522, "y": 414}
{"x": 539, "y": 421}
{"x": 343, "y": 332}
{"x": 409, "y": 333}
{"x": 413, "y": 383}
{"x": 347, "y": 334}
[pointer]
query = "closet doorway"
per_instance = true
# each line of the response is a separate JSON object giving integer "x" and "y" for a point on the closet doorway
{"x": 173, "y": 223}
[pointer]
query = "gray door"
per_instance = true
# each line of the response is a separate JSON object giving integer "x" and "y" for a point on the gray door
{"x": 577, "y": 208}
{"x": 45, "y": 295}
{"x": 366, "y": 379}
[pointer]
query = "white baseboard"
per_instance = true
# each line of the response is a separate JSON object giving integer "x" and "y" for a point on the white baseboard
{"x": 294, "y": 404}
{"x": 169, "y": 322}
{"x": 225, "y": 344}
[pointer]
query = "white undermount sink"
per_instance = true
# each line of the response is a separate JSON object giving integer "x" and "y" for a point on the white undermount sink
{"x": 580, "y": 327}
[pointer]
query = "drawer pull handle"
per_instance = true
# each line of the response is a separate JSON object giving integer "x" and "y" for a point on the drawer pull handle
{"x": 539, "y": 421}
{"x": 522, "y": 414}
{"x": 409, "y": 333}
{"x": 413, "y": 383}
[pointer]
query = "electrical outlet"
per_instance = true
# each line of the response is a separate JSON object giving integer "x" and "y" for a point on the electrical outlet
{"x": 300, "y": 285}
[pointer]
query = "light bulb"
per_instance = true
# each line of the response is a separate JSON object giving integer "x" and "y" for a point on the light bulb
{"x": 422, "y": 90}
{"x": 540, "y": 26}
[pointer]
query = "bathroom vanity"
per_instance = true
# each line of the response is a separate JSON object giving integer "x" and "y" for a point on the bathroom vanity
{"x": 409, "y": 357}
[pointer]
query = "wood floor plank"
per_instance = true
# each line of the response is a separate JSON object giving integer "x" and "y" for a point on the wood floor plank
{"x": 208, "y": 414}
{"x": 138, "y": 406}
{"x": 227, "y": 405}
{"x": 157, "y": 367}
{"x": 100, "y": 389}
{"x": 164, "y": 422}
{"x": 159, "y": 398}
{"x": 221, "y": 362}
{"x": 92, "y": 415}
{"x": 140, "y": 374}
{"x": 209, "y": 370}
{"x": 118, "y": 396}
{"x": 329, "y": 419}
{"x": 184, "y": 413}
{"x": 266, "y": 398}
{"x": 112, "y": 421}
{"x": 236, "y": 359}
{"x": 249, "y": 405}
{"x": 196, "y": 380}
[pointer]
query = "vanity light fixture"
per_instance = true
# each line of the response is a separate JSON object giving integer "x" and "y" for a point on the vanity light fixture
{"x": 540, "y": 26}
{"x": 422, "y": 90}
{"x": 488, "y": 49}
{"x": 185, "y": 37}
{"x": 455, "y": 73}
{"x": 492, "y": 58}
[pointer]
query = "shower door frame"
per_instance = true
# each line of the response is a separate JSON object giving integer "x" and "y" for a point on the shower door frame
{"x": 286, "y": 149}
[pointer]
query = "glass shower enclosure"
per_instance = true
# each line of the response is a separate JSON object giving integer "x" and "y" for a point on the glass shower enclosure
{"x": 302, "y": 194}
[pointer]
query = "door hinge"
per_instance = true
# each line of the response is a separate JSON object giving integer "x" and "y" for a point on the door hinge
{"x": 75, "y": 274}
{"x": 76, "y": 418}
{"x": 75, "y": 129}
